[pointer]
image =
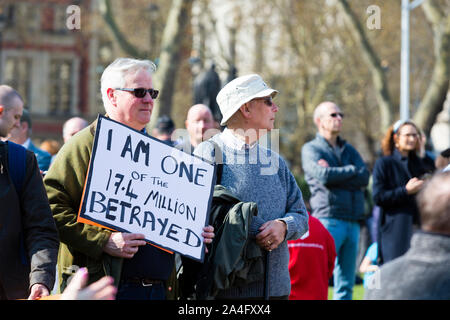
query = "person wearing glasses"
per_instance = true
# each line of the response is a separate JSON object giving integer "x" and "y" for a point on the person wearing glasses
{"x": 139, "y": 270}
{"x": 253, "y": 173}
{"x": 336, "y": 175}
{"x": 397, "y": 177}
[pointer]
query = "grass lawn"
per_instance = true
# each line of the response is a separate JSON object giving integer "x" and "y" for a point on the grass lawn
{"x": 358, "y": 292}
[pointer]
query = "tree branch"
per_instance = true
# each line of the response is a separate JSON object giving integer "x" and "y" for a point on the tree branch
{"x": 108, "y": 16}
{"x": 373, "y": 62}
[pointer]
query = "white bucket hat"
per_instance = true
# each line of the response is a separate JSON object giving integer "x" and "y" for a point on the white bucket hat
{"x": 240, "y": 91}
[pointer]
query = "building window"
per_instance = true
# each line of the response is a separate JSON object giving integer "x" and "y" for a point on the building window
{"x": 61, "y": 86}
{"x": 28, "y": 16}
{"x": 17, "y": 75}
{"x": 59, "y": 24}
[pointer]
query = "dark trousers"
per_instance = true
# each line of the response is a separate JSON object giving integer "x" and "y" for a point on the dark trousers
{"x": 136, "y": 291}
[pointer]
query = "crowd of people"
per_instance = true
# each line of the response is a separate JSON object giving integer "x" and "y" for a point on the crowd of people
{"x": 262, "y": 243}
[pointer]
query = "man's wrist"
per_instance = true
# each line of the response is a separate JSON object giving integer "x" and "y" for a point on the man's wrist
{"x": 285, "y": 226}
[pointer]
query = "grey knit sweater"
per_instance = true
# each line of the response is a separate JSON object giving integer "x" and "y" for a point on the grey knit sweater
{"x": 262, "y": 176}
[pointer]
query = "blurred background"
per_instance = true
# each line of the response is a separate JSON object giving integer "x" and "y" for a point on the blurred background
{"x": 54, "y": 52}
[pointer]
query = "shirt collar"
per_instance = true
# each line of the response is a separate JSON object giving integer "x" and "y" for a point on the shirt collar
{"x": 26, "y": 144}
{"x": 231, "y": 141}
{"x": 339, "y": 141}
{"x": 399, "y": 156}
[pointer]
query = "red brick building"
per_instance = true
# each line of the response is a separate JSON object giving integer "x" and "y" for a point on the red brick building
{"x": 52, "y": 59}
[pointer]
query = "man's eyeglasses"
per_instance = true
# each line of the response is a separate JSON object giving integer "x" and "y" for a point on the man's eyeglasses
{"x": 335, "y": 114}
{"x": 267, "y": 100}
{"x": 140, "y": 92}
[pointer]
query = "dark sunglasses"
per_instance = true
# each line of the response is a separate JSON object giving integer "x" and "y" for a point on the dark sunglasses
{"x": 141, "y": 92}
{"x": 267, "y": 100}
{"x": 335, "y": 114}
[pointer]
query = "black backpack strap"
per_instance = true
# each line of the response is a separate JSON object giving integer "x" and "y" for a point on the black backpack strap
{"x": 17, "y": 164}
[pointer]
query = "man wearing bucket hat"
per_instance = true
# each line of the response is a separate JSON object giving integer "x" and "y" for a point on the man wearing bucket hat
{"x": 256, "y": 174}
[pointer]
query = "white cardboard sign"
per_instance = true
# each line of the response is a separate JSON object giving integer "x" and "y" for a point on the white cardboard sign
{"x": 138, "y": 184}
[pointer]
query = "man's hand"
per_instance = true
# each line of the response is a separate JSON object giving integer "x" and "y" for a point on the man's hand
{"x": 323, "y": 163}
{"x": 208, "y": 235}
{"x": 272, "y": 234}
{"x": 124, "y": 245}
{"x": 38, "y": 291}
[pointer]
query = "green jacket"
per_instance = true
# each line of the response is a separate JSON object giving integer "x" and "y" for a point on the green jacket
{"x": 235, "y": 259}
{"x": 81, "y": 244}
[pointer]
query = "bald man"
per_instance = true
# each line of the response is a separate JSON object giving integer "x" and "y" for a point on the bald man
{"x": 199, "y": 124}
{"x": 72, "y": 126}
{"x": 28, "y": 237}
{"x": 422, "y": 272}
{"x": 337, "y": 176}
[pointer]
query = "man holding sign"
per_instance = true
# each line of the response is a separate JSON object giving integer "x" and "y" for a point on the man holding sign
{"x": 139, "y": 270}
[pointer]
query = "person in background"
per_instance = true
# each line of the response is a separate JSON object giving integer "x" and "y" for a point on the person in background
{"x": 52, "y": 146}
{"x": 163, "y": 130}
{"x": 422, "y": 273}
{"x": 28, "y": 236}
{"x": 199, "y": 122}
{"x": 21, "y": 134}
{"x": 397, "y": 177}
{"x": 336, "y": 175}
{"x": 72, "y": 126}
{"x": 443, "y": 160}
{"x": 369, "y": 264}
{"x": 311, "y": 263}
{"x": 427, "y": 157}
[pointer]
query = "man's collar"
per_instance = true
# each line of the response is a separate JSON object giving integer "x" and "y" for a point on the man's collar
{"x": 27, "y": 143}
{"x": 232, "y": 141}
{"x": 339, "y": 141}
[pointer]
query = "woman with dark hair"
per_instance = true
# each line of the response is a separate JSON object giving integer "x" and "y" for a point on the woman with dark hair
{"x": 397, "y": 177}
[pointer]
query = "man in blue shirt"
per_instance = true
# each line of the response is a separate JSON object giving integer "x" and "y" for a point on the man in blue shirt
{"x": 21, "y": 134}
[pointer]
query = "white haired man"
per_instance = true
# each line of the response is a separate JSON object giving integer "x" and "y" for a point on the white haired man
{"x": 249, "y": 113}
{"x": 139, "y": 270}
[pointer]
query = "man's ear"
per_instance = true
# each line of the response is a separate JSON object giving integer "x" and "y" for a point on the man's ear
{"x": 317, "y": 122}
{"x": 111, "y": 96}
{"x": 245, "y": 110}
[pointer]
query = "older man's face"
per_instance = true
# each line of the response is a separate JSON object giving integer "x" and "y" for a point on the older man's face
{"x": 132, "y": 111}
{"x": 331, "y": 118}
{"x": 199, "y": 120}
{"x": 263, "y": 111}
{"x": 10, "y": 117}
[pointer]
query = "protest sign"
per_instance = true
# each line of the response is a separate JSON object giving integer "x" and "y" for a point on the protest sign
{"x": 138, "y": 184}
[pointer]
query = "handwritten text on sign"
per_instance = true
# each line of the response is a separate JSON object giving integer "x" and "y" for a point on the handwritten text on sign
{"x": 138, "y": 184}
